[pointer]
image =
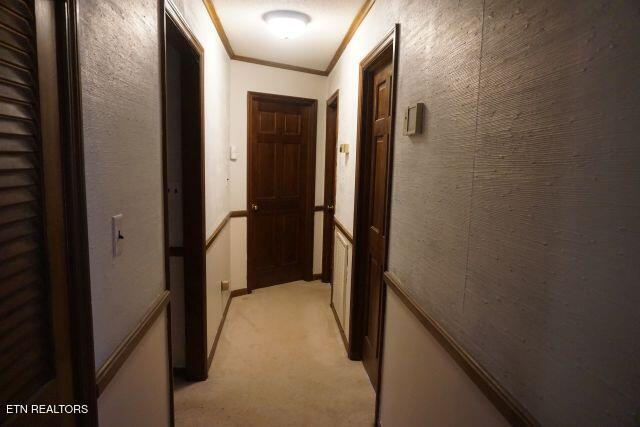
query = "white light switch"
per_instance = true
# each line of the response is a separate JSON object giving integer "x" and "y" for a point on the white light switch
{"x": 116, "y": 234}
{"x": 233, "y": 152}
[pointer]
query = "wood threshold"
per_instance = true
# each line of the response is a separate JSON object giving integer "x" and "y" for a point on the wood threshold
{"x": 115, "y": 361}
{"x": 355, "y": 24}
{"x": 343, "y": 230}
{"x": 516, "y": 414}
{"x": 344, "y": 337}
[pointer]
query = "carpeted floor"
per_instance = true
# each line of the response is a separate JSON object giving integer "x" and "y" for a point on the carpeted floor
{"x": 280, "y": 362}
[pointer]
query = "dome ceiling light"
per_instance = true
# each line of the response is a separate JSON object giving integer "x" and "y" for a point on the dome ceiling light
{"x": 286, "y": 24}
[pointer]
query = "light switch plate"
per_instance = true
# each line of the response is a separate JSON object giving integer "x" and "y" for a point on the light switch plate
{"x": 233, "y": 152}
{"x": 116, "y": 234}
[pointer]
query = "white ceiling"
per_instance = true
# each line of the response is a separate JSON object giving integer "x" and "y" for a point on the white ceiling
{"x": 249, "y": 35}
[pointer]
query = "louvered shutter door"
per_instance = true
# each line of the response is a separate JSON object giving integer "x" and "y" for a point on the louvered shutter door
{"x": 26, "y": 357}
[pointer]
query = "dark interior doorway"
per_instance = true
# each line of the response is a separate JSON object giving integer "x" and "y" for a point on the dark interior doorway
{"x": 329, "y": 187}
{"x": 373, "y": 192}
{"x": 281, "y": 162}
{"x": 184, "y": 185}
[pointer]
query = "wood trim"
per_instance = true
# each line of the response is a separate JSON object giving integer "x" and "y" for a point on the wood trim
{"x": 238, "y": 214}
{"x": 357, "y": 20}
{"x": 344, "y": 337}
{"x": 318, "y": 208}
{"x": 176, "y": 17}
{"x": 332, "y": 113}
{"x": 176, "y": 251}
{"x": 239, "y": 292}
{"x": 218, "y": 26}
{"x": 74, "y": 188}
{"x": 165, "y": 204}
{"x": 234, "y": 293}
{"x": 511, "y": 409}
{"x": 212, "y": 352}
{"x": 355, "y": 24}
{"x": 316, "y": 276}
{"x": 194, "y": 201}
{"x": 343, "y": 230}
{"x": 279, "y": 65}
{"x": 115, "y": 361}
{"x": 218, "y": 230}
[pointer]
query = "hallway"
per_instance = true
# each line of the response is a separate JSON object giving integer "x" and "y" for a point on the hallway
{"x": 280, "y": 361}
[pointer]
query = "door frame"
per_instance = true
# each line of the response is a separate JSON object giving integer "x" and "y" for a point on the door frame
{"x": 74, "y": 190}
{"x": 310, "y": 179}
{"x": 388, "y": 45}
{"x": 330, "y": 157}
{"x": 196, "y": 357}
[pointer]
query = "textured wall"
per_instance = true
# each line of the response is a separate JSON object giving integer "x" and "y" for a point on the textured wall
{"x": 119, "y": 59}
{"x": 514, "y": 214}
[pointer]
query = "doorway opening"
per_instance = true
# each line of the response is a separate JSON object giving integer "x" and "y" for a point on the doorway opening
{"x": 183, "y": 174}
{"x": 330, "y": 160}
{"x": 281, "y": 138}
{"x": 372, "y": 205}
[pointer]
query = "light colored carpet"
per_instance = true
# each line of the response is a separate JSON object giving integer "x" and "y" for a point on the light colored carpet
{"x": 280, "y": 362}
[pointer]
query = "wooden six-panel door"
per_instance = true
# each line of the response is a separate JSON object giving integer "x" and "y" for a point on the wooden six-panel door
{"x": 376, "y": 170}
{"x": 280, "y": 193}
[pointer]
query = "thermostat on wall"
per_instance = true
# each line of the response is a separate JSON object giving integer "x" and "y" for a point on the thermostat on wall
{"x": 413, "y": 119}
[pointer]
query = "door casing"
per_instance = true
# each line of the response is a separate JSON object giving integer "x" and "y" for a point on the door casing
{"x": 330, "y": 160}
{"x": 358, "y": 304}
{"x": 194, "y": 239}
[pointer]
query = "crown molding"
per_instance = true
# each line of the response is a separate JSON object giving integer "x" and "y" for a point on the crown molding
{"x": 355, "y": 24}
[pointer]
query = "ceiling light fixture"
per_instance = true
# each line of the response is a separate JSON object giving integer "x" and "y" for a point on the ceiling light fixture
{"x": 286, "y": 24}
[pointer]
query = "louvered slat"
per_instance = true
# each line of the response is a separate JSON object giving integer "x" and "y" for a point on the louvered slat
{"x": 17, "y": 213}
{"x": 19, "y": 7}
{"x": 13, "y": 91}
{"x": 15, "y": 21}
{"x": 19, "y": 229}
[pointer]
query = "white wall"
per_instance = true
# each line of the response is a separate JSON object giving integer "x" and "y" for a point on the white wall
{"x": 246, "y": 77}
{"x": 137, "y": 394}
{"x": 416, "y": 365}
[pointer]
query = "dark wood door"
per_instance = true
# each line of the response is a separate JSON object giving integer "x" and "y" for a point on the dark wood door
{"x": 329, "y": 188}
{"x": 374, "y": 226}
{"x": 35, "y": 343}
{"x": 281, "y": 182}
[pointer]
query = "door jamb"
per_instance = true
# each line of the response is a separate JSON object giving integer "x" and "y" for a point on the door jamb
{"x": 327, "y": 275}
{"x": 75, "y": 211}
{"x": 357, "y": 309}
{"x": 196, "y": 357}
{"x": 310, "y": 178}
